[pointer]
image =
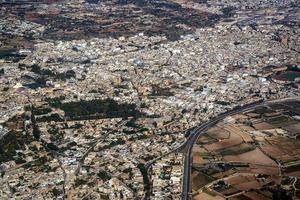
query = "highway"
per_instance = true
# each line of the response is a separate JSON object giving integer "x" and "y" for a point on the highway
{"x": 193, "y": 137}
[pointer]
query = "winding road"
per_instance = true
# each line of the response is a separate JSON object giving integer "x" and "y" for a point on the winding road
{"x": 186, "y": 189}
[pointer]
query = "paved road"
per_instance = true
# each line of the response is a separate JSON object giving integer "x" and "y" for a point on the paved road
{"x": 186, "y": 189}
{"x": 148, "y": 165}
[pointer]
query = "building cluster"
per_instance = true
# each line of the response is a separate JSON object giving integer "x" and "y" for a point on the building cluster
{"x": 166, "y": 175}
{"x": 88, "y": 97}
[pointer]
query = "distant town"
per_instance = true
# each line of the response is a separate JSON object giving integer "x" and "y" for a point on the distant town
{"x": 150, "y": 99}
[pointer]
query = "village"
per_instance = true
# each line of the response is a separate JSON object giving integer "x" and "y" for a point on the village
{"x": 86, "y": 103}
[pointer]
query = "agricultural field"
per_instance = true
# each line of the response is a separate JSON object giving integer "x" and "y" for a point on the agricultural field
{"x": 253, "y": 155}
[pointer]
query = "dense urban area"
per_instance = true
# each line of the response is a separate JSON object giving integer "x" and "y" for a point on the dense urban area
{"x": 104, "y": 99}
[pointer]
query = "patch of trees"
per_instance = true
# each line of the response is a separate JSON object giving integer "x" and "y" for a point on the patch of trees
{"x": 103, "y": 108}
{"x": 104, "y": 176}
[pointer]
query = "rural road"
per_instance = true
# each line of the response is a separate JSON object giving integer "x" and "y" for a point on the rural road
{"x": 186, "y": 189}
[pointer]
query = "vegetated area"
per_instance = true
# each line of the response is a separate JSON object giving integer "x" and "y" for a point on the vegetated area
{"x": 39, "y": 139}
{"x": 102, "y": 108}
{"x": 117, "y": 18}
{"x": 13, "y": 140}
{"x": 241, "y": 157}
{"x": 290, "y": 75}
